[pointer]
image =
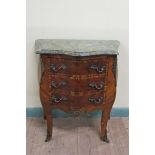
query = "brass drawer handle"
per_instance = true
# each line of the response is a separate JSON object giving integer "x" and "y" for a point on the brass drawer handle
{"x": 98, "y": 87}
{"x": 96, "y": 100}
{"x": 57, "y": 85}
{"x": 99, "y": 69}
{"x": 56, "y": 69}
{"x": 58, "y": 99}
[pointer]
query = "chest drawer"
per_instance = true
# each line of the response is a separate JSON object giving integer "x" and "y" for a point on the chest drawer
{"x": 93, "y": 82}
{"x": 78, "y": 99}
{"x": 78, "y": 66}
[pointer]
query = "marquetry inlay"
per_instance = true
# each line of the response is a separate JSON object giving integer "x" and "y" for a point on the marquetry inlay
{"x": 85, "y": 77}
{"x": 80, "y": 93}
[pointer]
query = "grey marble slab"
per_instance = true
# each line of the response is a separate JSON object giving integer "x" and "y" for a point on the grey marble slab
{"x": 76, "y": 47}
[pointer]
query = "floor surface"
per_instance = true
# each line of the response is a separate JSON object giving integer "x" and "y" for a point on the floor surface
{"x": 77, "y": 136}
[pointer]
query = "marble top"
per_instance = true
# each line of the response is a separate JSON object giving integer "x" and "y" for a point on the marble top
{"x": 76, "y": 47}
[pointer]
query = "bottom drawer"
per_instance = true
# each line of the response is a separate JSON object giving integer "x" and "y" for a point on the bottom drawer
{"x": 92, "y": 97}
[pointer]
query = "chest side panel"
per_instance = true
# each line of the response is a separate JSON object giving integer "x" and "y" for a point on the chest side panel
{"x": 111, "y": 81}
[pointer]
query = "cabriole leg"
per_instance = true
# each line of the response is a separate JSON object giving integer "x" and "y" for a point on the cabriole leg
{"x": 48, "y": 118}
{"x": 49, "y": 128}
{"x": 104, "y": 120}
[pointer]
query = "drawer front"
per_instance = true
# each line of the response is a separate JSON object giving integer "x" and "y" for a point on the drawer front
{"x": 93, "y": 82}
{"x": 78, "y": 66}
{"x": 77, "y": 98}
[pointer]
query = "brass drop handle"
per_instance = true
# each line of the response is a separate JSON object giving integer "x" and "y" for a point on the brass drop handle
{"x": 58, "y": 99}
{"x": 56, "y": 69}
{"x": 96, "y": 100}
{"x": 99, "y": 69}
{"x": 98, "y": 87}
{"x": 57, "y": 85}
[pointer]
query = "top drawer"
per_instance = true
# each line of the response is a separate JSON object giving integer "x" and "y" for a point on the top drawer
{"x": 78, "y": 65}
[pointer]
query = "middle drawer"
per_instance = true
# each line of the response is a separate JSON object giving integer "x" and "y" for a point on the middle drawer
{"x": 73, "y": 83}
